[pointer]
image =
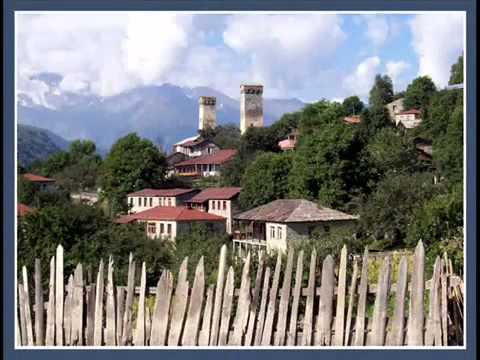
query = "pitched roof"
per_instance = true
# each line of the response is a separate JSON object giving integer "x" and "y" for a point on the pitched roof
{"x": 23, "y": 209}
{"x": 161, "y": 192}
{"x": 196, "y": 141}
{"x": 166, "y": 213}
{"x": 352, "y": 119}
{"x": 293, "y": 210}
{"x": 37, "y": 178}
{"x": 220, "y": 157}
{"x": 223, "y": 193}
{"x": 181, "y": 142}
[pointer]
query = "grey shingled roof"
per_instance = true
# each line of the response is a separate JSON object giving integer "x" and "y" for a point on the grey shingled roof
{"x": 293, "y": 210}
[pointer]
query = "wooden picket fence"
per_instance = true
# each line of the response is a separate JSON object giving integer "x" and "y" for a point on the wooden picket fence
{"x": 324, "y": 313}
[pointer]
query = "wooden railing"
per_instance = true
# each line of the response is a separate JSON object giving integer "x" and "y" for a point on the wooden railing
{"x": 336, "y": 306}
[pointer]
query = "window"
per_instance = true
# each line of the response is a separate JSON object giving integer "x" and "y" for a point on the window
{"x": 151, "y": 202}
{"x": 224, "y": 205}
{"x": 131, "y": 201}
{"x": 161, "y": 201}
{"x": 139, "y": 201}
{"x": 213, "y": 205}
{"x": 169, "y": 229}
{"x": 272, "y": 232}
{"x": 162, "y": 228}
{"x": 326, "y": 228}
{"x": 151, "y": 228}
{"x": 279, "y": 232}
{"x": 169, "y": 201}
{"x": 145, "y": 202}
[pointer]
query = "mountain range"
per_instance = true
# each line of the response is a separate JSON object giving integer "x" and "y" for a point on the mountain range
{"x": 164, "y": 114}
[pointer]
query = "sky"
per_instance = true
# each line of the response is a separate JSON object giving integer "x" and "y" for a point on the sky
{"x": 308, "y": 56}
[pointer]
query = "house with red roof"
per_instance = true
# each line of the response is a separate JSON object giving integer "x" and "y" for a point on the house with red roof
{"x": 167, "y": 222}
{"x": 409, "y": 119}
{"x": 206, "y": 165}
{"x": 149, "y": 198}
{"x": 220, "y": 201}
{"x": 195, "y": 146}
{"x": 23, "y": 210}
{"x": 43, "y": 182}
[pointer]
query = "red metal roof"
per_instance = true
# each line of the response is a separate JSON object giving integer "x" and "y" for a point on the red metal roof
{"x": 161, "y": 192}
{"x": 23, "y": 209}
{"x": 37, "y": 178}
{"x": 411, "y": 111}
{"x": 353, "y": 119}
{"x": 220, "y": 157}
{"x": 170, "y": 214}
{"x": 223, "y": 193}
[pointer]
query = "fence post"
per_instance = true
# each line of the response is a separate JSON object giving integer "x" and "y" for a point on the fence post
{"x": 59, "y": 294}
{"x": 341, "y": 290}
{"x": 359, "y": 338}
{"x": 217, "y": 307}
{"x": 416, "y": 316}
{"x": 39, "y": 310}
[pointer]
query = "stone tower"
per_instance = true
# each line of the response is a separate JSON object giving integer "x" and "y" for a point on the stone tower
{"x": 207, "y": 115}
{"x": 251, "y": 106}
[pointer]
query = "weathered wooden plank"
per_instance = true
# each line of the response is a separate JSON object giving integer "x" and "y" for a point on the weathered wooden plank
{"x": 272, "y": 304}
{"x": 217, "y": 307}
{"x": 255, "y": 303}
{"x": 179, "y": 305}
{"x": 359, "y": 338}
{"x": 433, "y": 331}
{"x": 91, "y": 298}
{"x": 192, "y": 323}
{"x": 443, "y": 301}
{"x": 279, "y": 339}
{"x": 416, "y": 315}
{"x": 292, "y": 332}
{"x": 127, "y": 316}
{"x": 226, "y": 308}
{"x": 351, "y": 299}
{"x": 380, "y": 307}
{"x": 204, "y": 336}
{"x": 241, "y": 316}
{"x": 148, "y": 325}
{"x": 308, "y": 319}
{"x": 395, "y": 337}
{"x": 120, "y": 312}
{"x": 98, "y": 322}
{"x": 39, "y": 309}
{"x": 26, "y": 304}
{"x": 161, "y": 309}
{"x": 110, "y": 331}
{"x": 77, "y": 315}
{"x": 21, "y": 309}
{"x": 325, "y": 313}
{"x": 341, "y": 293}
{"x": 262, "y": 310}
{"x": 59, "y": 294}
{"x": 50, "y": 327}
{"x": 67, "y": 310}
{"x": 140, "y": 328}
{"x": 18, "y": 336}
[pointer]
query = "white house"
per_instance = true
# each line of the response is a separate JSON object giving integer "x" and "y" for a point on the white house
{"x": 409, "y": 119}
{"x": 149, "y": 198}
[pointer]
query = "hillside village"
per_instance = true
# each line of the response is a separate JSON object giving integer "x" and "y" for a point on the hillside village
{"x": 333, "y": 173}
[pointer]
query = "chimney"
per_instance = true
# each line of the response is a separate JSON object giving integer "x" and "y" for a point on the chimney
{"x": 207, "y": 115}
{"x": 251, "y": 106}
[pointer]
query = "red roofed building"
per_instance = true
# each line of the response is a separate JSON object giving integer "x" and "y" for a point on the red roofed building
{"x": 23, "y": 210}
{"x": 149, "y": 198}
{"x": 207, "y": 165}
{"x": 44, "y": 182}
{"x": 409, "y": 119}
{"x": 218, "y": 201}
{"x": 195, "y": 146}
{"x": 352, "y": 119}
{"x": 168, "y": 222}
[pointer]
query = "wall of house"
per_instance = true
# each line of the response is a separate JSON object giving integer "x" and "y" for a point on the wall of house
{"x": 395, "y": 107}
{"x": 408, "y": 120}
{"x": 276, "y": 236}
{"x": 215, "y": 226}
{"x": 222, "y": 208}
{"x": 140, "y": 204}
{"x": 162, "y": 231}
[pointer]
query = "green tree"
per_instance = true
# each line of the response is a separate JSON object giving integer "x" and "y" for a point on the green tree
{"x": 456, "y": 72}
{"x": 265, "y": 179}
{"x": 353, "y": 105}
{"x": 225, "y": 136}
{"x": 419, "y": 93}
{"x": 131, "y": 165}
{"x": 382, "y": 91}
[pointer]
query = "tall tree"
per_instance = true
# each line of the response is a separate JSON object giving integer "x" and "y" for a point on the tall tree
{"x": 419, "y": 93}
{"x": 456, "y": 72}
{"x": 353, "y": 105}
{"x": 132, "y": 164}
{"x": 382, "y": 91}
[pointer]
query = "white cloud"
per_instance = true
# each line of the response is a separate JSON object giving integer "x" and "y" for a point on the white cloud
{"x": 437, "y": 38}
{"x": 378, "y": 28}
{"x": 361, "y": 80}
{"x": 396, "y": 70}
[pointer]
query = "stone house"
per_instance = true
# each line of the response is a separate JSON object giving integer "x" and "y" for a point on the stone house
{"x": 395, "y": 107}
{"x": 219, "y": 201}
{"x": 281, "y": 223}
{"x": 167, "y": 222}
{"x": 149, "y": 198}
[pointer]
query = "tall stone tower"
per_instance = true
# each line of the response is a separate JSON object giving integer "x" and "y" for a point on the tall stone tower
{"x": 207, "y": 114}
{"x": 251, "y": 106}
